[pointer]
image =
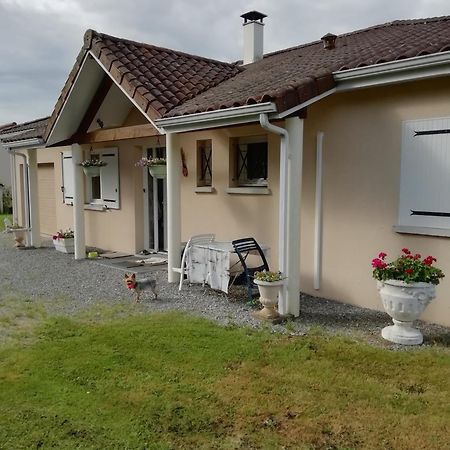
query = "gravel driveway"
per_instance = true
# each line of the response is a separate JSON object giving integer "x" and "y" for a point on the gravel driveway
{"x": 65, "y": 286}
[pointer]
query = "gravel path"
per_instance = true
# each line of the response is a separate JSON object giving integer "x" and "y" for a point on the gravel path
{"x": 65, "y": 286}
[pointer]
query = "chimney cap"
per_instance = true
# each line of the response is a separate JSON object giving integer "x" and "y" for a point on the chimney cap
{"x": 329, "y": 41}
{"x": 253, "y": 16}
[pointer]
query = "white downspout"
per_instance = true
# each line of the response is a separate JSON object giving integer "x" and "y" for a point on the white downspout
{"x": 318, "y": 214}
{"x": 173, "y": 207}
{"x": 282, "y": 224}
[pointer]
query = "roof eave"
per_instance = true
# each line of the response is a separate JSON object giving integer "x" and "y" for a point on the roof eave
{"x": 25, "y": 143}
{"x": 215, "y": 119}
{"x": 410, "y": 69}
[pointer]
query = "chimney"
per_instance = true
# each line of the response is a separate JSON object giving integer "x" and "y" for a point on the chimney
{"x": 329, "y": 41}
{"x": 253, "y": 36}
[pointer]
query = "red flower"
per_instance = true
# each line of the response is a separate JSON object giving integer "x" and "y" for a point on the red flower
{"x": 406, "y": 251}
{"x": 382, "y": 255}
{"x": 409, "y": 271}
{"x": 378, "y": 264}
{"x": 417, "y": 256}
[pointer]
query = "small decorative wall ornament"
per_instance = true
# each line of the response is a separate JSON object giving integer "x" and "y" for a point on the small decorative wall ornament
{"x": 183, "y": 163}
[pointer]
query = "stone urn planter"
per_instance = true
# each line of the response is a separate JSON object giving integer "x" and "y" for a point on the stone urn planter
{"x": 64, "y": 245}
{"x": 269, "y": 291}
{"x": 92, "y": 171}
{"x": 158, "y": 171}
{"x": 404, "y": 302}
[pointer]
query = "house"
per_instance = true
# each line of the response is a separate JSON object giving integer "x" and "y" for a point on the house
{"x": 5, "y": 168}
{"x": 328, "y": 152}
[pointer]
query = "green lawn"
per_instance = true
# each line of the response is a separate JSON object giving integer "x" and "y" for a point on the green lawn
{"x": 171, "y": 381}
{"x": 2, "y": 218}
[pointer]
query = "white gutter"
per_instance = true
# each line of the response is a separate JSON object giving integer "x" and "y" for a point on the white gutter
{"x": 216, "y": 118}
{"x": 415, "y": 68}
{"x": 25, "y": 143}
{"x": 282, "y": 224}
{"x": 123, "y": 90}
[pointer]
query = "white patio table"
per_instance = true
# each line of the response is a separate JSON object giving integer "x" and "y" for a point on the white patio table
{"x": 212, "y": 264}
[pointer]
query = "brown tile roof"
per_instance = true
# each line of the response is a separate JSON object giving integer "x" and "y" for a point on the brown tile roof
{"x": 27, "y": 130}
{"x": 292, "y": 76}
{"x": 5, "y": 126}
{"x": 168, "y": 83}
{"x": 158, "y": 79}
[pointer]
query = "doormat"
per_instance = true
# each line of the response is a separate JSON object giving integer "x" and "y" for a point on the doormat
{"x": 130, "y": 263}
{"x": 113, "y": 255}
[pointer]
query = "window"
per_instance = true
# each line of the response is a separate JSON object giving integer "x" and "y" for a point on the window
{"x": 204, "y": 163}
{"x": 250, "y": 161}
{"x": 425, "y": 170}
{"x": 102, "y": 190}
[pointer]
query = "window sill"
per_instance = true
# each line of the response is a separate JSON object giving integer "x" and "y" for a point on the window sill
{"x": 94, "y": 207}
{"x": 249, "y": 190}
{"x": 428, "y": 231}
{"x": 204, "y": 189}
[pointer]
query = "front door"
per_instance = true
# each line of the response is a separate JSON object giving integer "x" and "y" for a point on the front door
{"x": 157, "y": 206}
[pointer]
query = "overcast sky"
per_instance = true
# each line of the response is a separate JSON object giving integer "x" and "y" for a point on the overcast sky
{"x": 40, "y": 39}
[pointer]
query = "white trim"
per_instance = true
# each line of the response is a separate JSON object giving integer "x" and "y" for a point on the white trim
{"x": 416, "y": 68}
{"x": 125, "y": 92}
{"x": 318, "y": 213}
{"x": 216, "y": 118}
{"x": 293, "y": 110}
{"x": 66, "y": 99}
{"x": 146, "y": 209}
{"x": 248, "y": 190}
{"x": 421, "y": 230}
{"x": 26, "y": 143}
{"x": 204, "y": 189}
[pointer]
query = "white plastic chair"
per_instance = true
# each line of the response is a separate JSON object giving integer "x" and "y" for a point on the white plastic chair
{"x": 198, "y": 239}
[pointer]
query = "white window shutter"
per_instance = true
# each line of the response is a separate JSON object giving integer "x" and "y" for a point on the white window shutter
{"x": 67, "y": 177}
{"x": 425, "y": 174}
{"x": 109, "y": 178}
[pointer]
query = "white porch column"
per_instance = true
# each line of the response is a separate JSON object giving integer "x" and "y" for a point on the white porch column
{"x": 35, "y": 234}
{"x": 294, "y": 127}
{"x": 173, "y": 206}
{"x": 78, "y": 202}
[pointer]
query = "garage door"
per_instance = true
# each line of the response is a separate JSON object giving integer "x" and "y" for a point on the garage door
{"x": 47, "y": 203}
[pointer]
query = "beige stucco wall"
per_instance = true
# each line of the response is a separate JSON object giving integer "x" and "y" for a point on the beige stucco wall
{"x": 119, "y": 230}
{"x": 229, "y": 216}
{"x": 361, "y": 170}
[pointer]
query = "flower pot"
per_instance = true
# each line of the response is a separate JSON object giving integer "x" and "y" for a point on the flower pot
{"x": 158, "y": 171}
{"x": 92, "y": 171}
{"x": 404, "y": 303}
{"x": 19, "y": 237}
{"x": 268, "y": 291}
{"x": 65, "y": 245}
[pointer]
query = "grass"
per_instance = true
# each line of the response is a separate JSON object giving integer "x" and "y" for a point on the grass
{"x": 171, "y": 381}
{"x": 2, "y": 218}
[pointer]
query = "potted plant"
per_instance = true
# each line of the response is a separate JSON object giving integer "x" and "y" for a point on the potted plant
{"x": 19, "y": 234}
{"x": 269, "y": 285}
{"x": 157, "y": 167}
{"x": 64, "y": 241}
{"x": 91, "y": 167}
{"x": 406, "y": 285}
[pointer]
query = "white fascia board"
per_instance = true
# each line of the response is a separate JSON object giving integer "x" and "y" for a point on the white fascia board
{"x": 49, "y": 138}
{"x": 216, "y": 119}
{"x": 417, "y": 68}
{"x": 126, "y": 94}
{"x": 26, "y": 143}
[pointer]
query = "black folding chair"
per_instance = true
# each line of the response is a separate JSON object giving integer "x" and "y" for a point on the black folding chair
{"x": 243, "y": 247}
